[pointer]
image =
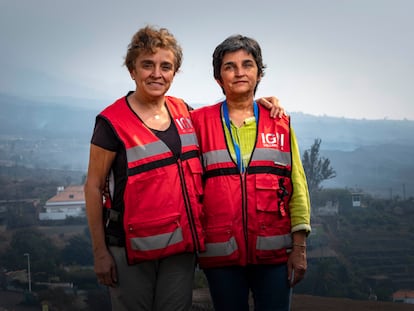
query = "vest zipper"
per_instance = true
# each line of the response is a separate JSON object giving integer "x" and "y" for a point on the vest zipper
{"x": 187, "y": 204}
{"x": 244, "y": 212}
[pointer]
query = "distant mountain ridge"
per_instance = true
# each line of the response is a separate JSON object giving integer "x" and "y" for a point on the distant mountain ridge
{"x": 57, "y": 116}
{"x": 366, "y": 154}
{"x": 350, "y": 134}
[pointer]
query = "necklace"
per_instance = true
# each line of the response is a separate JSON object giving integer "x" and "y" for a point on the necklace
{"x": 157, "y": 117}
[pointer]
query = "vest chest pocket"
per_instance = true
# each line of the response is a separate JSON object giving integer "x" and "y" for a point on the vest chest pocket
{"x": 140, "y": 186}
{"x": 267, "y": 186}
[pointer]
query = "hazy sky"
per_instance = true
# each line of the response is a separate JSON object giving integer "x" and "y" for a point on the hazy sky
{"x": 346, "y": 58}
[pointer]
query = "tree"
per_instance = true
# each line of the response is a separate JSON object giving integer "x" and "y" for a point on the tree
{"x": 317, "y": 168}
{"x": 43, "y": 253}
{"x": 78, "y": 251}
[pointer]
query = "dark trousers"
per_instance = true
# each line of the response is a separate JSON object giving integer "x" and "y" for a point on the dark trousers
{"x": 230, "y": 287}
{"x": 157, "y": 285}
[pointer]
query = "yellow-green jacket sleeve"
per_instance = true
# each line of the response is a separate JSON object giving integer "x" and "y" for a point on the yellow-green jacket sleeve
{"x": 299, "y": 204}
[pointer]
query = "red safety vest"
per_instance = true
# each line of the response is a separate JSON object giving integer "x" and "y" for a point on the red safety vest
{"x": 162, "y": 197}
{"x": 246, "y": 216}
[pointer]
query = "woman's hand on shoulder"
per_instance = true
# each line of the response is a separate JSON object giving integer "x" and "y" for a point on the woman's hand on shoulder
{"x": 272, "y": 103}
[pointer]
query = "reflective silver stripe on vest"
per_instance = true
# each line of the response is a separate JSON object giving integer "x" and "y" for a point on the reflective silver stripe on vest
{"x": 215, "y": 157}
{"x": 189, "y": 140}
{"x": 159, "y": 241}
{"x": 259, "y": 154}
{"x": 220, "y": 249}
{"x": 277, "y": 156}
{"x": 145, "y": 151}
{"x": 267, "y": 243}
{"x": 157, "y": 147}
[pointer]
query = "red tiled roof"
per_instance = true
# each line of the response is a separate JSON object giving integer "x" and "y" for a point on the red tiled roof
{"x": 69, "y": 194}
{"x": 403, "y": 294}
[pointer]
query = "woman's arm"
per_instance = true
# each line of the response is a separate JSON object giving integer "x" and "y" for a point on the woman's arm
{"x": 100, "y": 161}
{"x": 299, "y": 207}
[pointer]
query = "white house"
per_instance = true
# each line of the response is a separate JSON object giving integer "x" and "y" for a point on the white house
{"x": 356, "y": 199}
{"x": 68, "y": 202}
{"x": 404, "y": 296}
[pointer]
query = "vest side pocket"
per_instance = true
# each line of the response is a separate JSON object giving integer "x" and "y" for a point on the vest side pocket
{"x": 272, "y": 242}
{"x": 221, "y": 247}
{"x": 154, "y": 239}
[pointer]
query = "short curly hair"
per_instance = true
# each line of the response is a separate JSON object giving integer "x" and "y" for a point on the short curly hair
{"x": 148, "y": 40}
